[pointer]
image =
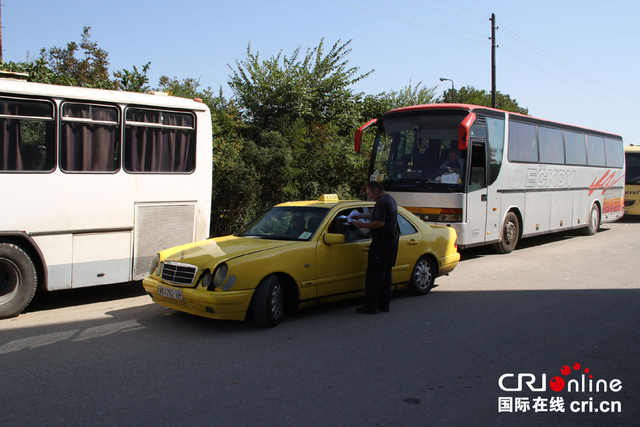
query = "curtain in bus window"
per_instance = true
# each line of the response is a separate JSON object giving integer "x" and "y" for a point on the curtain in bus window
{"x": 523, "y": 146}
{"x": 90, "y": 145}
{"x": 159, "y": 149}
{"x": 26, "y": 144}
{"x": 10, "y": 158}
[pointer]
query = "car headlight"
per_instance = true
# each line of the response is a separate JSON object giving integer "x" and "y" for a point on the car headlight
{"x": 206, "y": 279}
{"x": 154, "y": 264}
{"x": 220, "y": 276}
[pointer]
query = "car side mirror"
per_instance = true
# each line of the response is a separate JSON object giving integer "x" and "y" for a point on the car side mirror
{"x": 333, "y": 239}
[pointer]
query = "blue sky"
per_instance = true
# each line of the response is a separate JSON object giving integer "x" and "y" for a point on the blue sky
{"x": 567, "y": 61}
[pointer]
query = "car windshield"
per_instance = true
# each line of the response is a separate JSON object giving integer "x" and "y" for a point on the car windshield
{"x": 285, "y": 223}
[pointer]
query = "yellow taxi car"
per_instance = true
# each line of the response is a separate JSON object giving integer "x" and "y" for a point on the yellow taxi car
{"x": 294, "y": 255}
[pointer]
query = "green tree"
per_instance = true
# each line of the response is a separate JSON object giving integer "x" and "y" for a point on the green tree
{"x": 282, "y": 89}
{"x": 296, "y": 118}
{"x": 132, "y": 81}
{"x": 90, "y": 71}
{"x": 471, "y": 95}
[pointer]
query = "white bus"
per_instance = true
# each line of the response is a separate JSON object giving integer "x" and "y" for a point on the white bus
{"x": 495, "y": 176}
{"x": 94, "y": 183}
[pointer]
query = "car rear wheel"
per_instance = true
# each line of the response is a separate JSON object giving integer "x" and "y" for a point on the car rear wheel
{"x": 423, "y": 276}
{"x": 268, "y": 302}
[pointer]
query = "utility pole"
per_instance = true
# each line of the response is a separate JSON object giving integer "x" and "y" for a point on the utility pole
{"x": 0, "y": 32}
{"x": 493, "y": 60}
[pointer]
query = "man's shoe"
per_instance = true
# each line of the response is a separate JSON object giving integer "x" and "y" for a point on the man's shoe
{"x": 383, "y": 308}
{"x": 364, "y": 310}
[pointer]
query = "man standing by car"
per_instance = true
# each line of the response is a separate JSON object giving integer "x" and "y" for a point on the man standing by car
{"x": 383, "y": 249}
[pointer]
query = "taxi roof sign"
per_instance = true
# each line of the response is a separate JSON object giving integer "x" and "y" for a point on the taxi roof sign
{"x": 329, "y": 198}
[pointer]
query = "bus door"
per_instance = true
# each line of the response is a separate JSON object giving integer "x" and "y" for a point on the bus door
{"x": 476, "y": 212}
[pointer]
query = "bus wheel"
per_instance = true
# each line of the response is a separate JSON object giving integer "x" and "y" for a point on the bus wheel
{"x": 18, "y": 280}
{"x": 594, "y": 221}
{"x": 510, "y": 234}
{"x": 423, "y": 277}
{"x": 268, "y": 302}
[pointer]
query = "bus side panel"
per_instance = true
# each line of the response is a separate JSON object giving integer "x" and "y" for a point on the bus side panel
{"x": 581, "y": 208}
{"x": 538, "y": 209}
{"x": 57, "y": 250}
{"x": 101, "y": 259}
{"x": 612, "y": 205}
{"x": 561, "y": 210}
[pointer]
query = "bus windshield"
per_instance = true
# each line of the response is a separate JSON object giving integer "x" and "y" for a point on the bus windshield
{"x": 420, "y": 149}
{"x": 633, "y": 168}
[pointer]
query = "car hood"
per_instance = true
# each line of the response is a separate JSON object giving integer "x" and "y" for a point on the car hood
{"x": 222, "y": 249}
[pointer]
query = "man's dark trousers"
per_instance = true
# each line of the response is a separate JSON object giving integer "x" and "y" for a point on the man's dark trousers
{"x": 382, "y": 257}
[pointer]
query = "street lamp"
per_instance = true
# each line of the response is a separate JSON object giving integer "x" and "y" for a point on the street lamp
{"x": 442, "y": 79}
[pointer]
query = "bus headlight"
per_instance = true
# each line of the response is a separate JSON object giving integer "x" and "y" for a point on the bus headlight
{"x": 450, "y": 218}
{"x": 154, "y": 264}
{"x": 450, "y": 215}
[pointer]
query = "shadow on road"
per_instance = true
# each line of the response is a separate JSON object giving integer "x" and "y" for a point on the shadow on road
{"x": 74, "y": 297}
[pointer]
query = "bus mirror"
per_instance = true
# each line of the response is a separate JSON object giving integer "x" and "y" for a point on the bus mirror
{"x": 464, "y": 131}
{"x": 362, "y": 129}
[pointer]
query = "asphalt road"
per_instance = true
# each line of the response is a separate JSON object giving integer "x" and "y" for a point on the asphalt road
{"x": 109, "y": 357}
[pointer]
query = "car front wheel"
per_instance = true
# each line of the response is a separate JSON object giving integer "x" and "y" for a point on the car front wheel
{"x": 268, "y": 302}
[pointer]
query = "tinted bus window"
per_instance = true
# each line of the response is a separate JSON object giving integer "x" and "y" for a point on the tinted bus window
{"x": 551, "y": 145}
{"x": 495, "y": 131}
{"x": 159, "y": 141}
{"x": 576, "y": 148}
{"x": 523, "y": 146}
{"x": 615, "y": 153}
{"x": 89, "y": 138}
{"x": 595, "y": 151}
{"x": 26, "y": 135}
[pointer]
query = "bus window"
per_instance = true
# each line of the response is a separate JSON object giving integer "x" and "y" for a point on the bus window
{"x": 477, "y": 178}
{"x": 523, "y": 146}
{"x": 495, "y": 131}
{"x": 576, "y": 149}
{"x": 159, "y": 141}
{"x": 595, "y": 151}
{"x": 89, "y": 138}
{"x": 26, "y": 135}
{"x": 615, "y": 153}
{"x": 551, "y": 145}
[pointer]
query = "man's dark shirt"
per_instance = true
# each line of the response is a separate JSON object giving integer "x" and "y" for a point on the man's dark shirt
{"x": 385, "y": 210}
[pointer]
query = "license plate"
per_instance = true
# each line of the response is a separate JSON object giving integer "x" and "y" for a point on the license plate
{"x": 170, "y": 293}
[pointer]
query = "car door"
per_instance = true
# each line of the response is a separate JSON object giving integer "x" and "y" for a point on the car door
{"x": 341, "y": 268}
{"x": 408, "y": 250}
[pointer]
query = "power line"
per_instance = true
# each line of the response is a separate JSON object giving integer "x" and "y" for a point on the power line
{"x": 566, "y": 67}
{"x": 565, "y": 81}
{"x": 407, "y": 22}
{"x": 506, "y": 49}
{"x": 450, "y": 13}
{"x": 423, "y": 19}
